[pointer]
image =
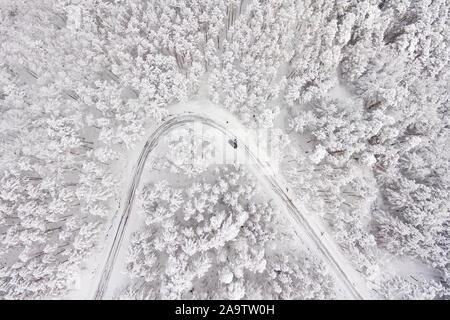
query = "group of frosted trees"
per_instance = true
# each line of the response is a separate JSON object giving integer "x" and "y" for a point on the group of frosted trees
{"x": 54, "y": 192}
{"x": 382, "y": 151}
{"x": 81, "y": 82}
{"x": 67, "y": 113}
{"x": 241, "y": 45}
{"x": 214, "y": 240}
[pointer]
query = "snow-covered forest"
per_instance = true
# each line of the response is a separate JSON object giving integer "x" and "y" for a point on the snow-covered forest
{"x": 354, "y": 95}
{"x": 213, "y": 240}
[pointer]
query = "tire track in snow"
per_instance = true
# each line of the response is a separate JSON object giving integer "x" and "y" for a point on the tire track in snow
{"x": 329, "y": 256}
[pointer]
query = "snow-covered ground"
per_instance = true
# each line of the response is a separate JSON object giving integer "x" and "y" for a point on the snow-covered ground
{"x": 336, "y": 111}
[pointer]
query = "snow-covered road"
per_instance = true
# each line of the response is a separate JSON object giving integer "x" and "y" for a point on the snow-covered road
{"x": 348, "y": 279}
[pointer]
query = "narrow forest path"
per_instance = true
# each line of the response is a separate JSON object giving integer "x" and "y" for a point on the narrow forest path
{"x": 324, "y": 247}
